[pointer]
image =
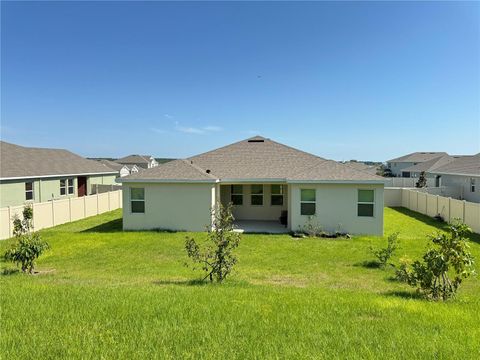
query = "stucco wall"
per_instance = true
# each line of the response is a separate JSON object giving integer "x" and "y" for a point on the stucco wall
{"x": 463, "y": 182}
{"x": 336, "y": 206}
{"x": 255, "y": 212}
{"x": 170, "y": 206}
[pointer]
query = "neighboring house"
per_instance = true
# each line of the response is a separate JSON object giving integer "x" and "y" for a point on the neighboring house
{"x": 427, "y": 166}
{"x": 264, "y": 180}
{"x": 372, "y": 169}
{"x": 141, "y": 161}
{"x": 400, "y": 165}
{"x": 39, "y": 174}
{"x": 123, "y": 170}
{"x": 462, "y": 172}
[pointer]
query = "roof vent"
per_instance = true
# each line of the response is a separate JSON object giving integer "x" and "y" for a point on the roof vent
{"x": 256, "y": 140}
{"x": 208, "y": 171}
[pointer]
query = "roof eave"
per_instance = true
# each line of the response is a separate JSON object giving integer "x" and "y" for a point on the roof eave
{"x": 58, "y": 175}
{"x": 175, "y": 181}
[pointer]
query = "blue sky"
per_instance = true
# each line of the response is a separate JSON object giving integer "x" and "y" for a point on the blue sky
{"x": 369, "y": 80}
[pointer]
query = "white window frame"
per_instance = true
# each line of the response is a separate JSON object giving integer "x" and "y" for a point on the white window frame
{"x": 472, "y": 185}
{"x": 64, "y": 187}
{"x": 257, "y": 195}
{"x": 308, "y": 202}
{"x": 366, "y": 203}
{"x": 70, "y": 186}
{"x": 137, "y": 200}
{"x": 232, "y": 194}
{"x": 29, "y": 191}
{"x": 282, "y": 194}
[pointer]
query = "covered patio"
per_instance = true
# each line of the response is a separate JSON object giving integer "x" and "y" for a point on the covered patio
{"x": 260, "y": 226}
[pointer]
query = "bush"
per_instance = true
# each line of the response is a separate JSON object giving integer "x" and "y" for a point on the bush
{"x": 422, "y": 181}
{"x": 26, "y": 250}
{"x": 384, "y": 255}
{"x": 217, "y": 258}
{"x": 28, "y": 245}
{"x": 312, "y": 227}
{"x": 449, "y": 253}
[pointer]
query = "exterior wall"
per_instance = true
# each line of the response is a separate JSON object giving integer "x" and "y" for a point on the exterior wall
{"x": 397, "y": 167}
{"x": 12, "y": 192}
{"x": 255, "y": 212}
{"x": 170, "y": 206}
{"x": 336, "y": 206}
{"x": 463, "y": 182}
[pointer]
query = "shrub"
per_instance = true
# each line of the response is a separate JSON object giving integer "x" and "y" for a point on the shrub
{"x": 449, "y": 253}
{"x": 384, "y": 255}
{"x": 422, "y": 181}
{"x": 217, "y": 259}
{"x": 28, "y": 245}
{"x": 26, "y": 250}
{"x": 312, "y": 227}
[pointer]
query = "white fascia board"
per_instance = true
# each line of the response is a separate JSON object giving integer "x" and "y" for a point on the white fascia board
{"x": 447, "y": 173}
{"x": 376, "y": 182}
{"x": 166, "y": 181}
{"x": 251, "y": 181}
{"x": 57, "y": 175}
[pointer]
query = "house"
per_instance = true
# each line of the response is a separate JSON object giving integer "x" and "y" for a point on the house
{"x": 123, "y": 170}
{"x": 265, "y": 181}
{"x": 398, "y": 166}
{"x": 140, "y": 161}
{"x": 372, "y": 169}
{"x": 463, "y": 172}
{"x": 38, "y": 174}
{"x": 427, "y": 166}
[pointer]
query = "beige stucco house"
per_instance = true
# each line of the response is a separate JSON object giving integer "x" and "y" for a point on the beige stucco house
{"x": 265, "y": 180}
{"x": 30, "y": 174}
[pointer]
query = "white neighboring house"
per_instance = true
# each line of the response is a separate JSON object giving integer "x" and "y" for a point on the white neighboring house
{"x": 123, "y": 170}
{"x": 463, "y": 172}
{"x": 399, "y": 166}
{"x": 273, "y": 188}
{"x": 428, "y": 166}
{"x": 140, "y": 161}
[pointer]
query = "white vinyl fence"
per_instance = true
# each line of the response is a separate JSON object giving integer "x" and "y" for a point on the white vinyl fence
{"x": 433, "y": 205}
{"x": 406, "y": 182}
{"x": 56, "y": 212}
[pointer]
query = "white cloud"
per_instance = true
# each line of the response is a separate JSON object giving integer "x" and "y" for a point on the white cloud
{"x": 168, "y": 116}
{"x": 159, "y": 131}
{"x": 212, "y": 128}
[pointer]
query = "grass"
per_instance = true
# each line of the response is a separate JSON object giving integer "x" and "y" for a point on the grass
{"x": 104, "y": 293}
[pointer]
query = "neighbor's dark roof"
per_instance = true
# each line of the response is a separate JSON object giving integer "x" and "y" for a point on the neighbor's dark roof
{"x": 463, "y": 165}
{"x": 419, "y": 157}
{"x": 256, "y": 158}
{"x": 134, "y": 159}
{"x": 27, "y": 162}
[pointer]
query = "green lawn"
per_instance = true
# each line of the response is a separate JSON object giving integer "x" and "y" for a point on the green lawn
{"x": 108, "y": 294}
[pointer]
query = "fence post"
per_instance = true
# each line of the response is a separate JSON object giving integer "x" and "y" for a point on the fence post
{"x": 109, "y": 205}
{"x": 449, "y": 208}
{"x": 10, "y": 231}
{"x": 463, "y": 213}
{"x": 437, "y": 212}
{"x": 98, "y": 212}
{"x": 53, "y": 212}
{"x": 84, "y": 206}
{"x": 70, "y": 208}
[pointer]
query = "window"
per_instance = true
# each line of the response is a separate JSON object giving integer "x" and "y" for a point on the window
{"x": 472, "y": 185}
{"x": 29, "y": 191}
{"x": 406, "y": 174}
{"x": 365, "y": 203}
{"x": 137, "y": 199}
{"x": 276, "y": 195}
{"x": 71, "y": 189}
{"x": 236, "y": 194}
{"x": 307, "y": 202}
{"x": 63, "y": 187}
{"x": 256, "y": 196}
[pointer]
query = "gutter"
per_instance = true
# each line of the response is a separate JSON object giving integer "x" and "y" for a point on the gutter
{"x": 56, "y": 175}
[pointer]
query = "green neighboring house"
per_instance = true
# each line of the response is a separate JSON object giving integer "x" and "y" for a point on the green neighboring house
{"x": 39, "y": 174}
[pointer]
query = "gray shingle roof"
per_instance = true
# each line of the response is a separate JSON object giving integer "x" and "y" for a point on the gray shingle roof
{"x": 419, "y": 157}
{"x": 112, "y": 164}
{"x": 253, "y": 159}
{"x": 26, "y": 162}
{"x": 464, "y": 165}
{"x": 134, "y": 159}
{"x": 430, "y": 165}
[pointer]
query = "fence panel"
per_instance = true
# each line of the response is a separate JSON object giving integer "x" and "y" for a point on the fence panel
{"x": 444, "y": 207}
{"x": 56, "y": 212}
{"x": 456, "y": 209}
{"x": 422, "y": 202}
{"x": 472, "y": 216}
{"x": 432, "y": 206}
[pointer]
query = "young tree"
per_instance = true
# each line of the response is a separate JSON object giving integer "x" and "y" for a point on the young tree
{"x": 449, "y": 254}
{"x": 385, "y": 254}
{"x": 28, "y": 245}
{"x": 217, "y": 258}
{"x": 422, "y": 180}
